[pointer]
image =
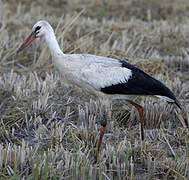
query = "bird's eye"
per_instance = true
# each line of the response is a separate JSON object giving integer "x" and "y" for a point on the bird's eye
{"x": 37, "y": 28}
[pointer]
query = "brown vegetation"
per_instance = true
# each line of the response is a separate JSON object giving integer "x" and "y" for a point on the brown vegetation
{"x": 49, "y": 131}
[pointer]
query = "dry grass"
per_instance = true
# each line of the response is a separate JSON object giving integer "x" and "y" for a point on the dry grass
{"x": 49, "y": 131}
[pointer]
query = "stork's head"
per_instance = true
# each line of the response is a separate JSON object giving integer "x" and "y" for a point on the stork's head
{"x": 40, "y": 30}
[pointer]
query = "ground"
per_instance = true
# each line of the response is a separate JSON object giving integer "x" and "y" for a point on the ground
{"x": 49, "y": 130}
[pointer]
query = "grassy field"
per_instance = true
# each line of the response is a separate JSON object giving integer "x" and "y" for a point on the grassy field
{"x": 49, "y": 131}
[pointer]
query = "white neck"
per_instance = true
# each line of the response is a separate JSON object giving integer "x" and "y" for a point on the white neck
{"x": 53, "y": 45}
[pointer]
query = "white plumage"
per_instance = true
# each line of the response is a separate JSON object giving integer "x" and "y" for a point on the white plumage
{"x": 104, "y": 77}
{"x": 92, "y": 72}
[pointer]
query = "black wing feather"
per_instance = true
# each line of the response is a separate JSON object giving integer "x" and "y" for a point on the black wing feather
{"x": 140, "y": 83}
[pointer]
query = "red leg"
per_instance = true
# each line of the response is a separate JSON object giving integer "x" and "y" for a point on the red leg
{"x": 103, "y": 123}
{"x": 141, "y": 114}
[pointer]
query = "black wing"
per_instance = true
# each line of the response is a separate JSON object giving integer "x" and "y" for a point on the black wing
{"x": 140, "y": 83}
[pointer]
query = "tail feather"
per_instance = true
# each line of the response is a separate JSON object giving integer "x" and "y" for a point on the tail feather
{"x": 170, "y": 100}
{"x": 178, "y": 104}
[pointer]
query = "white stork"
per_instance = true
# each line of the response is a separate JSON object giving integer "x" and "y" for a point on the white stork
{"x": 107, "y": 78}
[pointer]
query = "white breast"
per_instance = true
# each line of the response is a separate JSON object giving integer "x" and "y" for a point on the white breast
{"x": 92, "y": 72}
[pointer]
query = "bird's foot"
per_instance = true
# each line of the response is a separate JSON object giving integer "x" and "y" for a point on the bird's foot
{"x": 103, "y": 123}
{"x": 143, "y": 148}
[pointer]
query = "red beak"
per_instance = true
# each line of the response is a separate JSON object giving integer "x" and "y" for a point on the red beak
{"x": 28, "y": 40}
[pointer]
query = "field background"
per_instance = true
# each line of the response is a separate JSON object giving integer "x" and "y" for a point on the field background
{"x": 49, "y": 131}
